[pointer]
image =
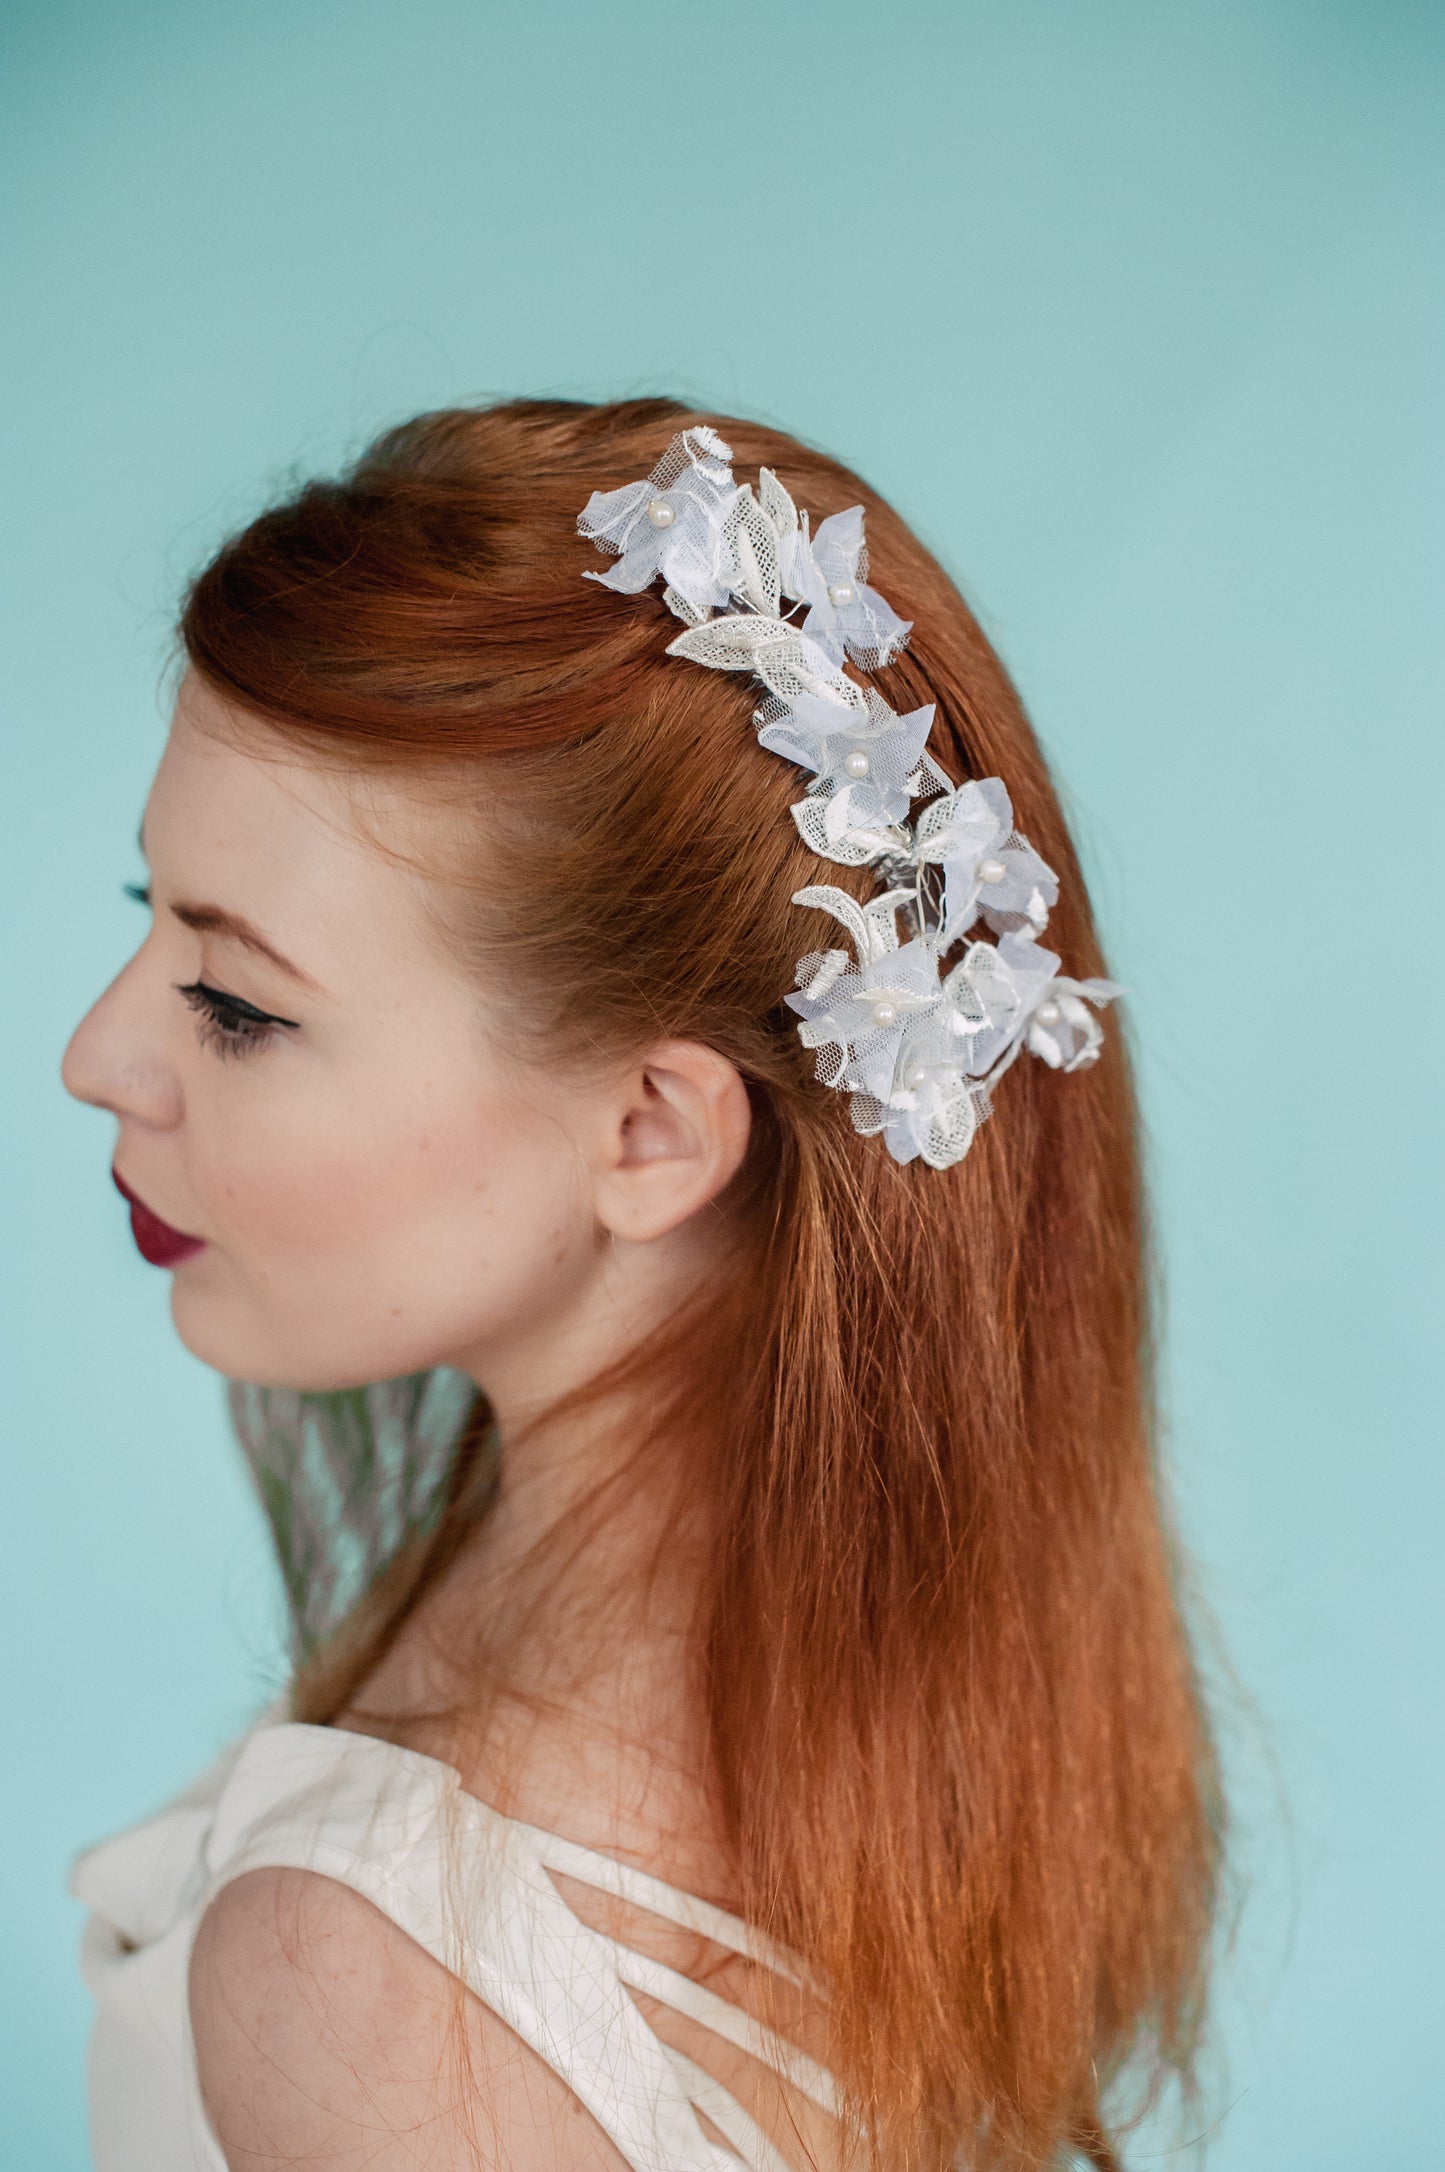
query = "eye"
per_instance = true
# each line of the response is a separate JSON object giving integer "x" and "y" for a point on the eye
{"x": 138, "y": 892}
{"x": 228, "y": 1024}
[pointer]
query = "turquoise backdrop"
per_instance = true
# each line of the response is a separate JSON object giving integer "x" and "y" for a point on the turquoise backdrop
{"x": 1135, "y": 309}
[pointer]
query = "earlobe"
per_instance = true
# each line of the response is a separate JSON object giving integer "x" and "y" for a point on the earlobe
{"x": 681, "y": 1131}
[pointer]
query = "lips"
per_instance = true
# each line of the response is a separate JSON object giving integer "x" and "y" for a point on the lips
{"x": 155, "y": 1240}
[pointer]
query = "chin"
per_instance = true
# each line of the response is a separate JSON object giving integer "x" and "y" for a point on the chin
{"x": 240, "y": 1349}
{"x": 230, "y": 1339}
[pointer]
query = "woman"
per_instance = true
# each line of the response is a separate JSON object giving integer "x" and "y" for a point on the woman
{"x": 782, "y": 1746}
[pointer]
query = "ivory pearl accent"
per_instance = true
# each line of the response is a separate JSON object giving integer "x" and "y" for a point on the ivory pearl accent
{"x": 915, "y": 1076}
{"x": 841, "y": 593}
{"x": 661, "y": 514}
{"x": 884, "y": 1013}
{"x": 1048, "y": 1014}
{"x": 991, "y": 871}
{"x": 857, "y": 764}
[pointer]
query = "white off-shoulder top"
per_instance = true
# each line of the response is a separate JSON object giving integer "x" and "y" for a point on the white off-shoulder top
{"x": 471, "y": 1886}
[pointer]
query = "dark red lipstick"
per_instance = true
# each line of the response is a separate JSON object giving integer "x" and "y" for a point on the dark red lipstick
{"x": 155, "y": 1240}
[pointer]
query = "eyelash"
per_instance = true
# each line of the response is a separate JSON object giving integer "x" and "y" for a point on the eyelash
{"x": 228, "y": 1023}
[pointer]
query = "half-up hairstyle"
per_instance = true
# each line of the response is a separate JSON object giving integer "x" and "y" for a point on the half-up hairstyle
{"x": 955, "y": 1722}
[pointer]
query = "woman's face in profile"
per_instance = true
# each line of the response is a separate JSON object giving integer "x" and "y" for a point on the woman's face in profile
{"x": 308, "y": 1087}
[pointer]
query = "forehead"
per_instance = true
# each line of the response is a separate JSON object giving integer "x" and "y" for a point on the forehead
{"x": 321, "y": 857}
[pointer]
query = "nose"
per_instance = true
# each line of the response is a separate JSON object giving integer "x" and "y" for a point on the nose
{"x": 117, "y": 1058}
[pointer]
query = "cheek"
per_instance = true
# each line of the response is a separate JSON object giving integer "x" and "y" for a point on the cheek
{"x": 369, "y": 1235}
{"x": 308, "y": 1185}
{"x": 367, "y": 1228}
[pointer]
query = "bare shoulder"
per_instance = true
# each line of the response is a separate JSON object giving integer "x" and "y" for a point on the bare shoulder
{"x": 325, "y": 2036}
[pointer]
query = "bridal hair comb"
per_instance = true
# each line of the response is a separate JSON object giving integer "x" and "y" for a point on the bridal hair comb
{"x": 918, "y": 1050}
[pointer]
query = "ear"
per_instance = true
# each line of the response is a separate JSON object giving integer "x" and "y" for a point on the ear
{"x": 678, "y": 1131}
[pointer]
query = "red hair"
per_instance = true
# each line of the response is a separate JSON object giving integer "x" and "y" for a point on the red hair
{"x": 956, "y": 1725}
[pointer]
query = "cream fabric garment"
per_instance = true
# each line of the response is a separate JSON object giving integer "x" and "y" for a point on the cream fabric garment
{"x": 469, "y": 1885}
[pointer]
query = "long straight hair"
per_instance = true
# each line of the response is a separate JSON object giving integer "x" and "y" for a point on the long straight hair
{"x": 955, "y": 1722}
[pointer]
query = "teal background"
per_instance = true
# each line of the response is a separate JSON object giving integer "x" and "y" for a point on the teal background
{"x": 1135, "y": 310}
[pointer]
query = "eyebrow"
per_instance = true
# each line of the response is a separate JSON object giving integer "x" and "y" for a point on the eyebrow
{"x": 216, "y": 920}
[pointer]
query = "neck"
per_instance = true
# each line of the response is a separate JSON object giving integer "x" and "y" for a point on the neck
{"x": 584, "y": 1560}
{"x": 554, "y": 1663}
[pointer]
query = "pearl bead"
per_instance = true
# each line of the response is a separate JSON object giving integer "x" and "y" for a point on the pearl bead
{"x": 1048, "y": 1014}
{"x": 991, "y": 871}
{"x": 915, "y": 1076}
{"x": 884, "y": 1013}
{"x": 841, "y": 593}
{"x": 660, "y": 513}
{"x": 857, "y": 764}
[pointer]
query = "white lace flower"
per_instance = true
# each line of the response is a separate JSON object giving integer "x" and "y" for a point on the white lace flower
{"x": 1062, "y": 1029}
{"x": 858, "y": 1020}
{"x": 888, "y": 1034}
{"x": 673, "y": 523}
{"x": 934, "y": 1107}
{"x": 878, "y": 749}
{"x": 995, "y": 988}
{"x": 868, "y": 761}
{"x": 1020, "y": 999}
{"x": 987, "y": 866}
{"x": 829, "y": 572}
